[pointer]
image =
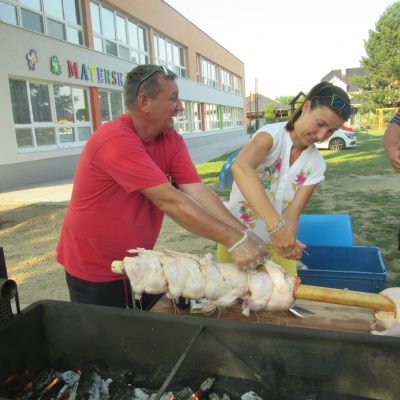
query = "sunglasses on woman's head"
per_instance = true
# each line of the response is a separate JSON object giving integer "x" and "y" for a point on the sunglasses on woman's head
{"x": 337, "y": 103}
{"x": 161, "y": 68}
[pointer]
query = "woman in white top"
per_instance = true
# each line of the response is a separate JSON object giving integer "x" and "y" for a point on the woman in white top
{"x": 276, "y": 173}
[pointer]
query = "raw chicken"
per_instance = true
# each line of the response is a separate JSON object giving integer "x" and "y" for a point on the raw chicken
{"x": 193, "y": 285}
{"x": 260, "y": 291}
{"x": 283, "y": 287}
{"x": 145, "y": 272}
{"x": 225, "y": 284}
{"x": 219, "y": 284}
{"x": 388, "y": 323}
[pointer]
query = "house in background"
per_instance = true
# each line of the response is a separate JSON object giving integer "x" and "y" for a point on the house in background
{"x": 343, "y": 79}
{"x": 254, "y": 110}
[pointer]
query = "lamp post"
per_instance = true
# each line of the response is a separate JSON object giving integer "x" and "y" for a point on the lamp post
{"x": 256, "y": 105}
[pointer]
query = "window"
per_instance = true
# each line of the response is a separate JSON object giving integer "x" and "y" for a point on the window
{"x": 32, "y": 21}
{"x": 226, "y": 81}
{"x": 170, "y": 54}
{"x": 138, "y": 51}
{"x": 182, "y": 120}
{"x": 196, "y": 117}
{"x": 56, "y": 18}
{"x": 237, "y": 116}
{"x": 237, "y": 82}
{"x": 8, "y": 13}
{"x": 117, "y": 35}
{"x": 49, "y": 115}
{"x": 211, "y": 116}
{"x": 111, "y": 104}
{"x": 208, "y": 73}
{"x": 232, "y": 117}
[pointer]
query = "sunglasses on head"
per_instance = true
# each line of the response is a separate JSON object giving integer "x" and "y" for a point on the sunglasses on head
{"x": 161, "y": 68}
{"x": 337, "y": 103}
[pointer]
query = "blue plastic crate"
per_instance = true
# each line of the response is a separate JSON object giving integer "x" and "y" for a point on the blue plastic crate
{"x": 358, "y": 268}
{"x": 325, "y": 230}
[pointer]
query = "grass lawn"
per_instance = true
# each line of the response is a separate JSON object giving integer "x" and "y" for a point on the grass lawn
{"x": 359, "y": 182}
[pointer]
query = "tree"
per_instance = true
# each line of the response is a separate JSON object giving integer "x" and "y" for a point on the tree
{"x": 284, "y": 99}
{"x": 270, "y": 112}
{"x": 381, "y": 85}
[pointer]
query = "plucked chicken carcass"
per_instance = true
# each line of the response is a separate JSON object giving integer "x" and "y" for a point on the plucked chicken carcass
{"x": 387, "y": 323}
{"x": 220, "y": 284}
{"x": 267, "y": 288}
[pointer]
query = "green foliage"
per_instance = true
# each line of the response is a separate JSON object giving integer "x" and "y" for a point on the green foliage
{"x": 284, "y": 99}
{"x": 270, "y": 112}
{"x": 381, "y": 86}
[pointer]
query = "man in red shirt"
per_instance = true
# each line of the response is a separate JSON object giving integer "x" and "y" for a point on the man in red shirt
{"x": 132, "y": 171}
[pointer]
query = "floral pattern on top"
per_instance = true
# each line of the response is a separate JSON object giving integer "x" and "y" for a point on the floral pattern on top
{"x": 268, "y": 173}
{"x": 247, "y": 215}
{"x": 280, "y": 179}
{"x": 301, "y": 178}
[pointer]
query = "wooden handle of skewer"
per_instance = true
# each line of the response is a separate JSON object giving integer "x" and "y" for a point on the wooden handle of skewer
{"x": 345, "y": 297}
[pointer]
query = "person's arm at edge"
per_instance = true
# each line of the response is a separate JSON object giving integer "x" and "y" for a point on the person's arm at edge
{"x": 391, "y": 142}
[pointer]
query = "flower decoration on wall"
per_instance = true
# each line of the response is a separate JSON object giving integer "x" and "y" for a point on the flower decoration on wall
{"x": 32, "y": 59}
{"x": 55, "y": 66}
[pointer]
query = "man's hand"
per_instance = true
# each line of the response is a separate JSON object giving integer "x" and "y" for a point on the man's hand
{"x": 249, "y": 252}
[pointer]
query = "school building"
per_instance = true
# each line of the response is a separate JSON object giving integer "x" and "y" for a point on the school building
{"x": 62, "y": 70}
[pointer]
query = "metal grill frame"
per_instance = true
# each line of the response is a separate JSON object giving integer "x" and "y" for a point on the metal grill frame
{"x": 5, "y": 305}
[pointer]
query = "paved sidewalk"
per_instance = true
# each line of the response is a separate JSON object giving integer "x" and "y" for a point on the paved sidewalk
{"x": 59, "y": 191}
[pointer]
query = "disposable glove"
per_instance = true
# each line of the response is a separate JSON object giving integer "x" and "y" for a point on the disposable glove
{"x": 249, "y": 251}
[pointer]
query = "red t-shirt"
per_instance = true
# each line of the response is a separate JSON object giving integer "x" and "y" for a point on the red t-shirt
{"x": 107, "y": 214}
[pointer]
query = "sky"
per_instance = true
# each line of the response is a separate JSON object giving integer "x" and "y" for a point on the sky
{"x": 287, "y": 45}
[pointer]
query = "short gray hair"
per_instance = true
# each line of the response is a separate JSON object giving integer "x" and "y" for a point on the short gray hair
{"x": 144, "y": 78}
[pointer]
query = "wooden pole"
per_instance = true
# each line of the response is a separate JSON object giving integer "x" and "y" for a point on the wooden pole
{"x": 346, "y": 297}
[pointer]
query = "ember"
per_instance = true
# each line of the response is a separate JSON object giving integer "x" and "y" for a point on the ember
{"x": 90, "y": 385}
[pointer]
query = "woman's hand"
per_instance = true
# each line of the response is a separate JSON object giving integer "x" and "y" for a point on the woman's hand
{"x": 284, "y": 240}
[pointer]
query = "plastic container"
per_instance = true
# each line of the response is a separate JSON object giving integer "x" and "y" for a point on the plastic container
{"x": 358, "y": 268}
{"x": 325, "y": 229}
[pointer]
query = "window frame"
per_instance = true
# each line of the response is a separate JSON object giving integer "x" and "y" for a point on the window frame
{"x": 183, "y": 120}
{"x": 19, "y": 7}
{"x": 169, "y": 62}
{"x": 142, "y": 54}
{"x": 214, "y": 123}
{"x": 109, "y": 92}
{"x": 54, "y": 122}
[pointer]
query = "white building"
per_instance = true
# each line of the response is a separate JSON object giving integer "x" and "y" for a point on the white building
{"x": 62, "y": 69}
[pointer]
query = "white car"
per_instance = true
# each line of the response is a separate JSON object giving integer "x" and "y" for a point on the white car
{"x": 339, "y": 140}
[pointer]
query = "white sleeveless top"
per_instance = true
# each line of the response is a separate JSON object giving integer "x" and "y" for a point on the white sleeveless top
{"x": 280, "y": 181}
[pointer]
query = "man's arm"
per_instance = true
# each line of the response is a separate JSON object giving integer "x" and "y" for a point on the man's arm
{"x": 211, "y": 203}
{"x": 391, "y": 142}
{"x": 191, "y": 215}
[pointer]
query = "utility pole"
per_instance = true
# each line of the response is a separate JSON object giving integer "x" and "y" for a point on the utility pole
{"x": 250, "y": 100}
{"x": 256, "y": 105}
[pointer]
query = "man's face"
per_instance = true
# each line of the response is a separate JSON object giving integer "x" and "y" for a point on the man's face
{"x": 165, "y": 106}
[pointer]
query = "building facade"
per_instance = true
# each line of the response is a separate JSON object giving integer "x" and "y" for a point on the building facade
{"x": 63, "y": 66}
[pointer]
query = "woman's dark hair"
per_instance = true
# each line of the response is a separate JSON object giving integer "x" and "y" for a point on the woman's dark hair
{"x": 328, "y": 95}
{"x": 144, "y": 78}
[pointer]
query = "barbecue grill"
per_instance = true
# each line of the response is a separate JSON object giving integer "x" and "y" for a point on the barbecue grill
{"x": 167, "y": 352}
